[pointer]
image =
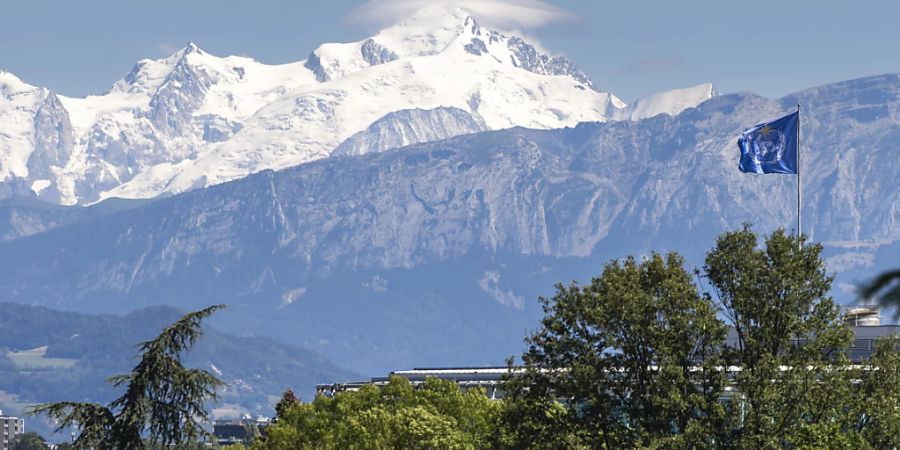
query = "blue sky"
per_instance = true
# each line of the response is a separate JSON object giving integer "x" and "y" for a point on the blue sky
{"x": 630, "y": 48}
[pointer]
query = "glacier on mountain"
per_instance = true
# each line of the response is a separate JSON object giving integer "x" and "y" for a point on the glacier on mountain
{"x": 669, "y": 102}
{"x": 193, "y": 119}
{"x": 411, "y": 126}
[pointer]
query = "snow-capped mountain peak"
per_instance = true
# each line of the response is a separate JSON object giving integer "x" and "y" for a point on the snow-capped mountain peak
{"x": 19, "y": 106}
{"x": 194, "y": 119}
{"x": 427, "y": 31}
{"x": 669, "y": 102}
{"x": 149, "y": 75}
{"x": 438, "y": 30}
{"x": 191, "y": 47}
{"x": 11, "y": 84}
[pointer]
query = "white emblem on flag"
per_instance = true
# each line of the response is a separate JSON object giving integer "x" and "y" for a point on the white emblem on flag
{"x": 768, "y": 145}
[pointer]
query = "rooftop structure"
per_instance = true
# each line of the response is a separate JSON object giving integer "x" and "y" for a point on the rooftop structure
{"x": 239, "y": 431}
{"x": 487, "y": 378}
{"x": 865, "y": 321}
{"x": 862, "y": 316}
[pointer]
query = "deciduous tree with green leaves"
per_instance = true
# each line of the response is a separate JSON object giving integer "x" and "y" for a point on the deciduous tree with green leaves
{"x": 791, "y": 346}
{"x": 873, "y": 409}
{"x": 28, "y": 441}
{"x": 437, "y": 416}
{"x": 634, "y": 357}
{"x": 163, "y": 403}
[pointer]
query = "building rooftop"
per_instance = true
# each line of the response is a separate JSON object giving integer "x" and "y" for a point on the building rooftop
{"x": 866, "y": 322}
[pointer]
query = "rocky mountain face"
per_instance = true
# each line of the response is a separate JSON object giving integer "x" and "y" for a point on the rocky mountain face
{"x": 193, "y": 119}
{"x": 436, "y": 253}
{"x": 25, "y": 216}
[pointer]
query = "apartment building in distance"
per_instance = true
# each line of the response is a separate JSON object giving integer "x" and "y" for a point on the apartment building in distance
{"x": 10, "y": 427}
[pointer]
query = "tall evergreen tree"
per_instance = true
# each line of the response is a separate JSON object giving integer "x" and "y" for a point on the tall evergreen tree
{"x": 163, "y": 402}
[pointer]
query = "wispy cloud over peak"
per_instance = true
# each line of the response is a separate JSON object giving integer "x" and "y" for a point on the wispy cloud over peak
{"x": 503, "y": 14}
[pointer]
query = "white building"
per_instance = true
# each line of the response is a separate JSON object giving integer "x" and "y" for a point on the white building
{"x": 10, "y": 427}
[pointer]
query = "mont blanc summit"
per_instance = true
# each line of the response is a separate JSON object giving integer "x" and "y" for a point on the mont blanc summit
{"x": 194, "y": 119}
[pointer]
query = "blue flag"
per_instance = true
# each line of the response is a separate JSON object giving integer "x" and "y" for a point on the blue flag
{"x": 771, "y": 147}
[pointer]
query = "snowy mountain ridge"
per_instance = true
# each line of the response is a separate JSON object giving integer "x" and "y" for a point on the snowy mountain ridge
{"x": 669, "y": 102}
{"x": 193, "y": 119}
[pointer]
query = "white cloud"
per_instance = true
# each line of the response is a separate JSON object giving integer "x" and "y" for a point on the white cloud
{"x": 490, "y": 283}
{"x": 504, "y": 14}
{"x": 167, "y": 48}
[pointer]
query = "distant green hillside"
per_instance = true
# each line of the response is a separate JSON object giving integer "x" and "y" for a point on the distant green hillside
{"x": 48, "y": 355}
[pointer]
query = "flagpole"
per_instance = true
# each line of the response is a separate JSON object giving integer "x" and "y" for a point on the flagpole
{"x": 799, "y": 189}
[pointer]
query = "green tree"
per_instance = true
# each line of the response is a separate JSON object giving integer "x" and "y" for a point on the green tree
{"x": 827, "y": 435}
{"x": 533, "y": 419}
{"x": 288, "y": 401}
{"x": 874, "y": 410}
{"x": 28, "y": 441}
{"x": 790, "y": 345}
{"x": 634, "y": 357}
{"x": 163, "y": 401}
{"x": 436, "y": 416}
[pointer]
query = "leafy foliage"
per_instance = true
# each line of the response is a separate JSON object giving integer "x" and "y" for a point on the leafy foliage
{"x": 163, "y": 400}
{"x": 28, "y": 441}
{"x": 788, "y": 330}
{"x": 638, "y": 358}
{"x": 873, "y": 412}
{"x": 288, "y": 401}
{"x": 622, "y": 352}
{"x": 437, "y": 416}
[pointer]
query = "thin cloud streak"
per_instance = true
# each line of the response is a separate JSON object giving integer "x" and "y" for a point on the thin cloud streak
{"x": 504, "y": 14}
{"x": 167, "y": 48}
